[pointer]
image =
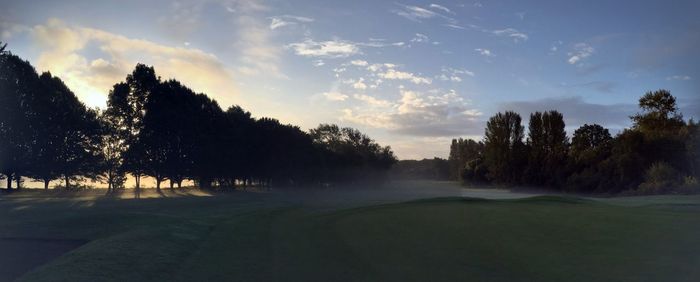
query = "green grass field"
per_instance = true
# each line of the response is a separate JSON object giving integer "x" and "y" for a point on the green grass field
{"x": 244, "y": 236}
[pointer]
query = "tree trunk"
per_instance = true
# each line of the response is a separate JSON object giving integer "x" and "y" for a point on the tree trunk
{"x": 158, "y": 180}
{"x": 172, "y": 184}
{"x": 67, "y": 182}
{"x": 18, "y": 180}
{"x": 138, "y": 181}
{"x": 179, "y": 184}
{"x": 46, "y": 184}
{"x": 9, "y": 181}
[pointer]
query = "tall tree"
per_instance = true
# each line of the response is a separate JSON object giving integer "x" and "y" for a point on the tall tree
{"x": 18, "y": 82}
{"x": 504, "y": 148}
{"x": 127, "y": 104}
{"x": 547, "y": 148}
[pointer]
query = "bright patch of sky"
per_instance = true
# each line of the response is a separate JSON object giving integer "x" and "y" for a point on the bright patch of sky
{"x": 412, "y": 74}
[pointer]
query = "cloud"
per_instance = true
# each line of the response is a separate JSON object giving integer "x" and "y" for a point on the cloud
{"x": 678, "y": 77}
{"x": 509, "y": 32}
{"x": 576, "y": 111}
{"x": 318, "y": 63}
{"x": 335, "y": 96}
{"x": 453, "y": 74}
{"x": 439, "y": 7}
{"x": 418, "y": 114}
{"x": 400, "y": 75}
{"x": 512, "y": 33}
{"x": 360, "y": 63}
{"x": 455, "y": 26}
{"x": 259, "y": 55}
{"x": 601, "y": 86}
{"x": 286, "y": 20}
{"x": 484, "y": 52}
{"x": 326, "y": 49}
{"x": 63, "y": 51}
{"x": 418, "y": 14}
{"x": 580, "y": 51}
{"x": 372, "y": 101}
{"x": 360, "y": 85}
{"x": 420, "y": 38}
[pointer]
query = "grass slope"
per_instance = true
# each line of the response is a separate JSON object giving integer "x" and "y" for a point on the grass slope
{"x": 245, "y": 237}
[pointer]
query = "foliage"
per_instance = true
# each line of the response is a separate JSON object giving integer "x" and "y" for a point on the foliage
{"x": 653, "y": 156}
{"x": 660, "y": 178}
{"x": 163, "y": 129}
{"x": 463, "y": 151}
{"x": 504, "y": 151}
{"x": 547, "y": 147}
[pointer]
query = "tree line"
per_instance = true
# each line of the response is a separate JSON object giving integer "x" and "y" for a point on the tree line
{"x": 658, "y": 154}
{"x": 164, "y": 130}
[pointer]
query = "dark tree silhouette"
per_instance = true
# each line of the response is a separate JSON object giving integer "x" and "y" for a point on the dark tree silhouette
{"x": 547, "y": 149}
{"x": 465, "y": 157}
{"x": 504, "y": 148}
{"x": 18, "y": 81}
{"x": 126, "y": 103}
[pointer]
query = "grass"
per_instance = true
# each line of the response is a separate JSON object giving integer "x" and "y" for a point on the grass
{"x": 256, "y": 236}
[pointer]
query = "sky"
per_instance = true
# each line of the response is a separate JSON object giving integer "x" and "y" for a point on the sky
{"x": 410, "y": 74}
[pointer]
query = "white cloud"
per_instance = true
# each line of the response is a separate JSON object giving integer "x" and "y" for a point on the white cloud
{"x": 484, "y": 52}
{"x": 400, "y": 75}
{"x": 62, "y": 52}
{"x": 318, "y": 63}
{"x": 360, "y": 85}
{"x": 258, "y": 55}
{"x": 328, "y": 49}
{"x": 438, "y": 114}
{"x": 453, "y": 74}
{"x": 335, "y": 96}
{"x": 512, "y": 33}
{"x": 286, "y": 20}
{"x": 361, "y": 63}
{"x": 372, "y": 101}
{"x": 440, "y": 7}
{"x": 678, "y": 77}
{"x": 419, "y": 14}
{"x": 580, "y": 52}
{"x": 277, "y": 23}
{"x": 455, "y": 26}
{"x": 420, "y": 38}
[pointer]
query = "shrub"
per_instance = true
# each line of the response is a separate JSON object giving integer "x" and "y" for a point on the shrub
{"x": 660, "y": 178}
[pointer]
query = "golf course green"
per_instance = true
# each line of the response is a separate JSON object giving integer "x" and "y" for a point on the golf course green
{"x": 254, "y": 236}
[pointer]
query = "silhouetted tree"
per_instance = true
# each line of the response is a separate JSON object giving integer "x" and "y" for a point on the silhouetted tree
{"x": 547, "y": 146}
{"x": 503, "y": 147}
{"x": 126, "y": 103}
{"x": 349, "y": 155}
{"x": 463, "y": 152}
{"x": 18, "y": 81}
{"x": 113, "y": 147}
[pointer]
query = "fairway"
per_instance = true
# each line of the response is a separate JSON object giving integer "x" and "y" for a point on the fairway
{"x": 244, "y": 236}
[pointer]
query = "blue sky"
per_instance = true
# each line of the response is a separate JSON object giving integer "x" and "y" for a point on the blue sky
{"x": 411, "y": 74}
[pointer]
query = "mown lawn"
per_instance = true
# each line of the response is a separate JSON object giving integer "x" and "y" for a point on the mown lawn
{"x": 248, "y": 236}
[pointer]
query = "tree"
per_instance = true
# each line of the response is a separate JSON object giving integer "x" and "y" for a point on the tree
{"x": 73, "y": 133}
{"x": 659, "y": 114}
{"x": 350, "y": 155}
{"x": 588, "y": 138}
{"x": 18, "y": 83}
{"x": 462, "y": 152}
{"x": 503, "y": 147}
{"x": 126, "y": 104}
{"x": 547, "y": 148}
{"x": 590, "y": 145}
